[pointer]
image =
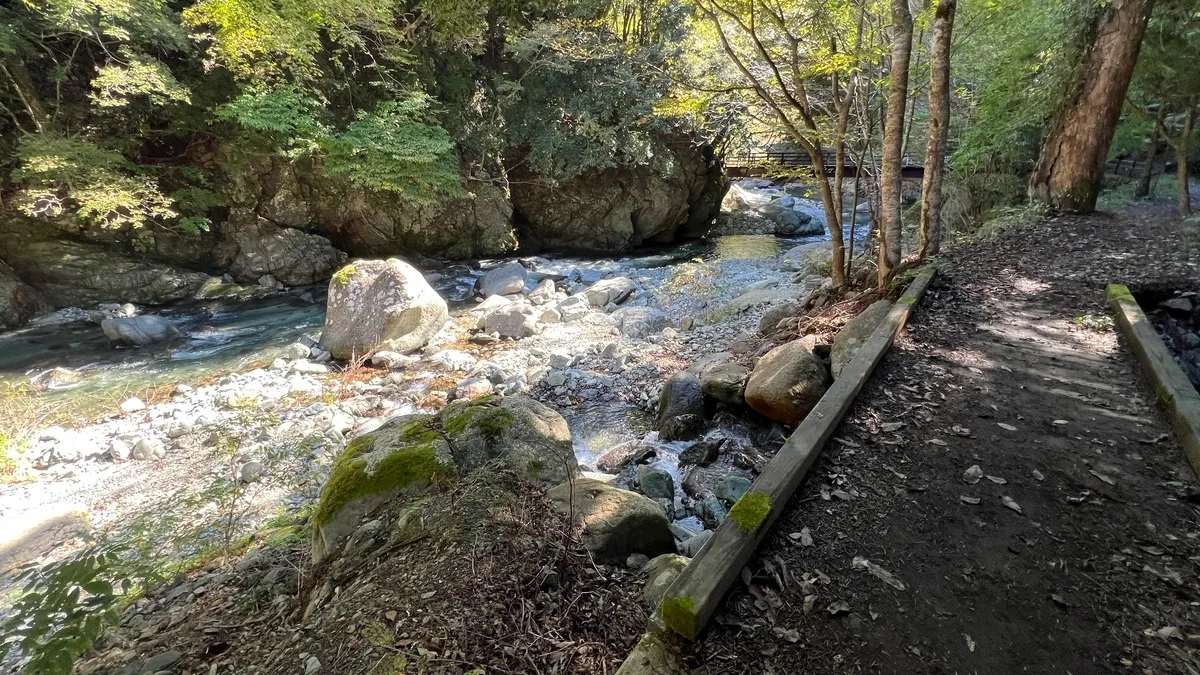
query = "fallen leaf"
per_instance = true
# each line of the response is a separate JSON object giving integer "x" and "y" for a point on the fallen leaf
{"x": 1106, "y": 479}
{"x": 1166, "y": 632}
{"x": 972, "y": 475}
{"x": 805, "y": 537}
{"x": 1006, "y": 427}
{"x": 997, "y": 480}
{"x": 1060, "y": 422}
{"x": 790, "y": 634}
{"x": 842, "y": 495}
{"x": 891, "y": 426}
{"x": 838, "y": 607}
{"x": 938, "y": 441}
{"x": 1059, "y": 599}
{"x": 878, "y": 572}
{"x": 1038, "y": 475}
{"x": 1010, "y": 503}
{"x": 430, "y": 594}
{"x": 1153, "y": 550}
{"x": 970, "y": 643}
{"x": 970, "y": 500}
{"x": 961, "y": 431}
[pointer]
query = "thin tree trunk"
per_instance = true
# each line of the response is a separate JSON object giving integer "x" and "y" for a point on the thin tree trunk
{"x": 939, "y": 122}
{"x": 853, "y": 217}
{"x": 914, "y": 95}
{"x": 1181, "y": 159}
{"x": 14, "y": 67}
{"x": 890, "y": 228}
{"x": 1143, "y": 188}
{"x": 1070, "y": 169}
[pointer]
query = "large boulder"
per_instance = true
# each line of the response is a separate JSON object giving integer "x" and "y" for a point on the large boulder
{"x": 676, "y": 192}
{"x": 854, "y": 334}
{"x": 406, "y": 454}
{"x": 528, "y": 437}
{"x": 680, "y": 407}
{"x": 293, "y": 257}
{"x": 610, "y": 291}
{"x": 139, "y": 330}
{"x": 514, "y": 320}
{"x": 19, "y": 302}
{"x": 615, "y": 522}
{"x": 503, "y": 280}
{"x": 725, "y": 382}
{"x": 380, "y": 305}
{"x": 787, "y": 382}
{"x": 640, "y": 322}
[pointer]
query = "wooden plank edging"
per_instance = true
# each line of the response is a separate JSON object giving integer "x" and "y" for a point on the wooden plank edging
{"x": 695, "y": 594}
{"x": 1173, "y": 390}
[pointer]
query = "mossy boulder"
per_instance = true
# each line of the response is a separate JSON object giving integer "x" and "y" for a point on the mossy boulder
{"x": 404, "y": 456}
{"x": 851, "y": 338}
{"x": 615, "y": 522}
{"x": 380, "y": 305}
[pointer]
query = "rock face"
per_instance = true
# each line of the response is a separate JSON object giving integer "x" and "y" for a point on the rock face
{"x": 851, "y": 337}
{"x": 503, "y": 280}
{"x": 406, "y": 454}
{"x": 615, "y": 522}
{"x": 293, "y": 257}
{"x": 786, "y": 383}
{"x": 379, "y": 305}
{"x": 139, "y": 330}
{"x": 19, "y": 302}
{"x": 677, "y": 193}
{"x": 680, "y": 408}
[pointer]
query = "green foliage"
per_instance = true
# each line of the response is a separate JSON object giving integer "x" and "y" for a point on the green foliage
{"x": 116, "y": 83}
{"x": 64, "y": 606}
{"x": 285, "y": 114}
{"x": 394, "y": 149}
{"x": 65, "y": 174}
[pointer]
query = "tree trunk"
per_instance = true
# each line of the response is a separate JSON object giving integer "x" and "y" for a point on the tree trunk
{"x": 853, "y": 216}
{"x": 1070, "y": 170}
{"x": 1143, "y": 188}
{"x": 1181, "y": 159}
{"x": 14, "y": 67}
{"x": 890, "y": 230}
{"x": 939, "y": 122}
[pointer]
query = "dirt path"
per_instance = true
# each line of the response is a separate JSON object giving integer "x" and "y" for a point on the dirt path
{"x": 1098, "y": 570}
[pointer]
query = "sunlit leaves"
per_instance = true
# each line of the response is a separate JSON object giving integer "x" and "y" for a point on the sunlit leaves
{"x": 117, "y": 83}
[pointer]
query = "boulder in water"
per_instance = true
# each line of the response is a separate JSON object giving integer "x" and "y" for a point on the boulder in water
{"x": 139, "y": 330}
{"x": 379, "y": 305}
{"x": 680, "y": 407}
{"x": 854, "y": 334}
{"x": 787, "y": 382}
{"x": 504, "y": 280}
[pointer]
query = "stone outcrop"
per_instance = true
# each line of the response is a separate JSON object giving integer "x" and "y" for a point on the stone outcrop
{"x": 380, "y": 305}
{"x": 19, "y": 302}
{"x": 680, "y": 408}
{"x": 676, "y": 194}
{"x": 293, "y": 257}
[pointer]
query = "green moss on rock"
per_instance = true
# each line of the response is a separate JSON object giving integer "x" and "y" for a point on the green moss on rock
{"x": 751, "y": 511}
{"x": 415, "y": 462}
{"x": 344, "y": 275}
{"x": 1119, "y": 292}
{"x": 490, "y": 419}
{"x": 679, "y": 614}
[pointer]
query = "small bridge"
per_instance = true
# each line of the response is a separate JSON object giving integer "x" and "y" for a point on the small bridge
{"x": 760, "y": 162}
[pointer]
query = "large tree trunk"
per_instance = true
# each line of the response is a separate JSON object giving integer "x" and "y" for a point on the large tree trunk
{"x": 1181, "y": 159}
{"x": 939, "y": 122}
{"x": 890, "y": 230}
{"x": 1143, "y": 187}
{"x": 1070, "y": 170}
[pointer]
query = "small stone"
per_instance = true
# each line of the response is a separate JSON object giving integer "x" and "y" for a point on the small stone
{"x": 161, "y": 661}
{"x": 972, "y": 475}
{"x": 636, "y": 561}
{"x": 732, "y": 488}
{"x": 311, "y": 665}
{"x": 132, "y": 405}
{"x": 296, "y": 351}
{"x": 250, "y": 472}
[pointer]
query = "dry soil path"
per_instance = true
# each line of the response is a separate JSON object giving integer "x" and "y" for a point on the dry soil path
{"x": 1075, "y": 549}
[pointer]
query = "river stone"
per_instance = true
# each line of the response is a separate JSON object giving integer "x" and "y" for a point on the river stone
{"x": 472, "y": 388}
{"x": 392, "y": 360}
{"x": 1177, "y": 305}
{"x": 161, "y": 661}
{"x": 625, "y": 454}
{"x": 528, "y": 437}
{"x": 777, "y": 312}
{"x": 786, "y": 383}
{"x": 680, "y": 407}
{"x": 296, "y": 351}
{"x": 610, "y": 291}
{"x": 574, "y": 308}
{"x": 710, "y": 511}
{"x": 544, "y": 292}
{"x": 655, "y": 483}
{"x": 732, "y": 488}
{"x": 503, "y": 280}
{"x": 139, "y": 330}
{"x": 702, "y": 453}
{"x": 380, "y": 305}
{"x": 855, "y": 334}
{"x": 725, "y": 382}
{"x": 615, "y": 522}
{"x": 19, "y": 302}
{"x": 148, "y": 448}
{"x": 514, "y": 320}
{"x": 692, "y": 545}
{"x": 661, "y": 572}
{"x": 56, "y": 377}
{"x": 640, "y": 322}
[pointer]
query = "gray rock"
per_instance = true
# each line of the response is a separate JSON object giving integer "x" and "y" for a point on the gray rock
{"x": 57, "y": 378}
{"x": 610, "y": 291}
{"x": 661, "y": 572}
{"x": 139, "y": 330}
{"x": 515, "y": 320}
{"x": 503, "y": 280}
{"x": 296, "y": 351}
{"x": 149, "y": 448}
{"x": 162, "y": 661}
{"x": 855, "y": 334}
{"x": 725, "y": 382}
{"x": 472, "y": 388}
{"x": 640, "y": 322}
{"x": 380, "y": 305}
{"x": 392, "y": 360}
{"x": 702, "y": 453}
{"x": 636, "y": 561}
{"x": 655, "y": 483}
{"x": 1177, "y": 305}
{"x": 680, "y": 396}
{"x": 616, "y": 523}
{"x": 311, "y": 665}
{"x": 787, "y": 382}
{"x": 528, "y": 437}
{"x": 776, "y": 313}
{"x": 132, "y": 405}
{"x": 691, "y": 546}
{"x": 710, "y": 511}
{"x": 250, "y": 472}
{"x": 119, "y": 450}
{"x": 574, "y": 308}
{"x": 732, "y": 488}
{"x": 544, "y": 293}
{"x": 19, "y": 302}
{"x": 561, "y": 358}
{"x": 270, "y": 255}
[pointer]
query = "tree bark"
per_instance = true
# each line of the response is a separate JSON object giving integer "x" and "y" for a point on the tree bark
{"x": 939, "y": 123}
{"x": 1181, "y": 159}
{"x": 1143, "y": 187}
{"x": 890, "y": 230}
{"x": 14, "y": 67}
{"x": 1070, "y": 169}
